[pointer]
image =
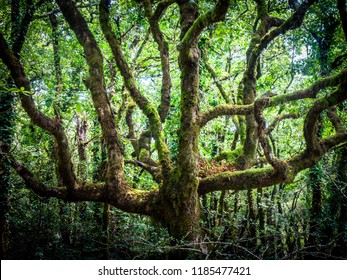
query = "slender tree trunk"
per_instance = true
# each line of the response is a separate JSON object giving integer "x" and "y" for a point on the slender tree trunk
{"x": 251, "y": 220}
{"x": 6, "y": 125}
{"x": 105, "y": 229}
{"x": 340, "y": 249}
{"x": 220, "y": 213}
{"x": 82, "y": 139}
{"x": 316, "y": 205}
{"x": 261, "y": 216}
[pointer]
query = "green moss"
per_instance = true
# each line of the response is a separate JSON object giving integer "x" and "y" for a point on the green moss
{"x": 240, "y": 180}
{"x": 278, "y": 99}
{"x": 143, "y": 154}
{"x": 230, "y": 156}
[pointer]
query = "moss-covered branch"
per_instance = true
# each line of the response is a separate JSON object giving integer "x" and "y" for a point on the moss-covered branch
{"x": 293, "y": 22}
{"x": 161, "y": 7}
{"x": 215, "y": 78}
{"x": 129, "y": 81}
{"x": 129, "y": 200}
{"x": 279, "y": 118}
{"x": 32, "y": 183}
{"x": 19, "y": 32}
{"x": 52, "y": 126}
{"x": 276, "y": 163}
{"x": 247, "y": 86}
{"x": 308, "y": 159}
{"x": 163, "y": 48}
{"x": 118, "y": 192}
{"x": 338, "y": 96}
{"x": 312, "y": 91}
{"x": 96, "y": 84}
{"x": 224, "y": 110}
{"x": 336, "y": 120}
{"x": 217, "y": 13}
{"x": 240, "y": 180}
{"x": 268, "y": 176}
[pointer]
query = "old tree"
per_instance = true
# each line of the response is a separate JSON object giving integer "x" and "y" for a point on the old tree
{"x": 258, "y": 87}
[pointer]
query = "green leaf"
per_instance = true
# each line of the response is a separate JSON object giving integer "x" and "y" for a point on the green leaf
{"x": 79, "y": 108}
{"x": 48, "y": 102}
{"x": 13, "y": 89}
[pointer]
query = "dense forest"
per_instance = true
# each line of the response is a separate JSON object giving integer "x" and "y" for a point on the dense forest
{"x": 173, "y": 129}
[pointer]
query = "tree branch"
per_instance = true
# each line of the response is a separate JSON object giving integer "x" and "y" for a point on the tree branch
{"x": 215, "y": 79}
{"x": 119, "y": 193}
{"x": 335, "y": 120}
{"x": 276, "y": 163}
{"x": 129, "y": 80}
{"x": 278, "y": 119}
{"x": 217, "y": 13}
{"x": 224, "y": 110}
{"x": 37, "y": 117}
{"x": 133, "y": 201}
{"x": 318, "y": 106}
{"x": 292, "y": 22}
{"x": 312, "y": 91}
{"x": 96, "y": 84}
{"x": 19, "y": 33}
{"x": 32, "y": 183}
{"x": 154, "y": 171}
{"x": 266, "y": 177}
{"x": 163, "y": 48}
{"x": 341, "y": 5}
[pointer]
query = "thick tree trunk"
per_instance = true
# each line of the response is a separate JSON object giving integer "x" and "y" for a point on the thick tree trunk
{"x": 182, "y": 209}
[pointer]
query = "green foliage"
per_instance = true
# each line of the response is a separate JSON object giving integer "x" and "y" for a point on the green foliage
{"x": 264, "y": 224}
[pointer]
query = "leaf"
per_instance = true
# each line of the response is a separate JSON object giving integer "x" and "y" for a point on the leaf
{"x": 13, "y": 89}
{"x": 48, "y": 102}
{"x": 79, "y": 108}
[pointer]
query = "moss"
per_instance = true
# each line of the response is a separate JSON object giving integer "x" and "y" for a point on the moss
{"x": 239, "y": 180}
{"x": 230, "y": 156}
{"x": 278, "y": 99}
{"x": 143, "y": 154}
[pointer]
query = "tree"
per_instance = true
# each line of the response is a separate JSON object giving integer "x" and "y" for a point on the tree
{"x": 176, "y": 118}
{"x": 19, "y": 27}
